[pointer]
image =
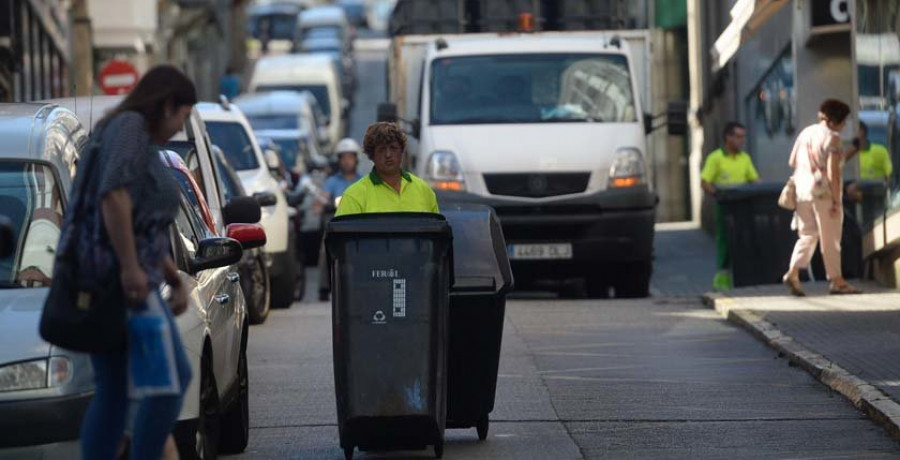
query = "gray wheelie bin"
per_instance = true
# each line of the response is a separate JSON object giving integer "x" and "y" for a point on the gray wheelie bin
{"x": 391, "y": 276}
{"x": 482, "y": 278}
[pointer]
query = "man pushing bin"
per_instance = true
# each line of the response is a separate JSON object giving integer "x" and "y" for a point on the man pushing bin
{"x": 390, "y": 254}
{"x": 416, "y": 338}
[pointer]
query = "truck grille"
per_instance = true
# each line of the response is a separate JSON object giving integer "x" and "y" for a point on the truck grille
{"x": 536, "y": 185}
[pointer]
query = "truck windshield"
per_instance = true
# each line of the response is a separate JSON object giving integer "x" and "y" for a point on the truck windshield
{"x": 531, "y": 88}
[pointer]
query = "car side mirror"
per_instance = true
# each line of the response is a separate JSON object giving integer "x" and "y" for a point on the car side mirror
{"x": 251, "y": 236}
{"x": 266, "y": 199}
{"x": 242, "y": 210}
{"x": 295, "y": 199}
{"x": 676, "y": 118}
{"x": 215, "y": 253}
{"x": 7, "y": 238}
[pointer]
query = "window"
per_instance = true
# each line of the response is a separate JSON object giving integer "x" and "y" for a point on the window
{"x": 320, "y": 92}
{"x": 185, "y": 232}
{"x": 264, "y": 122}
{"x": 191, "y": 199}
{"x": 531, "y": 88}
{"x": 231, "y": 186}
{"x": 274, "y": 26}
{"x": 31, "y": 198}
{"x": 234, "y": 141}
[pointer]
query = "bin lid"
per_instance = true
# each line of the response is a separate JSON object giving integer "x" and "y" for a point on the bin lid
{"x": 480, "y": 260}
{"x": 388, "y": 223}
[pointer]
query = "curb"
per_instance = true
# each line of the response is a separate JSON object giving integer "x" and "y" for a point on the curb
{"x": 877, "y": 405}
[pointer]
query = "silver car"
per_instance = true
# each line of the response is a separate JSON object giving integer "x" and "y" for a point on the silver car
{"x": 44, "y": 390}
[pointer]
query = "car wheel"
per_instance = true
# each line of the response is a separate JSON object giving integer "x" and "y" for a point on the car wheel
{"x": 633, "y": 280}
{"x": 236, "y": 421}
{"x": 257, "y": 290}
{"x": 203, "y": 441}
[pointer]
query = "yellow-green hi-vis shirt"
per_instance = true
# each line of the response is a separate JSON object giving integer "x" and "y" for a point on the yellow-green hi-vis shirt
{"x": 371, "y": 194}
{"x": 723, "y": 169}
{"x": 875, "y": 163}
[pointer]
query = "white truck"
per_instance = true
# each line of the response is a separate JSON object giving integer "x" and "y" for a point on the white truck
{"x": 547, "y": 128}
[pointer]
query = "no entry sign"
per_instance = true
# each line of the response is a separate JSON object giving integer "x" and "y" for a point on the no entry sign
{"x": 118, "y": 77}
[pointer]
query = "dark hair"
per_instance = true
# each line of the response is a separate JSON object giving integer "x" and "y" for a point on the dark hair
{"x": 864, "y": 127}
{"x": 834, "y": 110}
{"x": 730, "y": 127}
{"x": 162, "y": 84}
{"x": 383, "y": 133}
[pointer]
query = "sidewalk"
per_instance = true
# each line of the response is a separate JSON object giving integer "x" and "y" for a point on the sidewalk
{"x": 849, "y": 343}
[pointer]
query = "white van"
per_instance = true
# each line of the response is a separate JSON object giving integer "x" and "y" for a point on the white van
{"x": 314, "y": 73}
{"x": 548, "y": 130}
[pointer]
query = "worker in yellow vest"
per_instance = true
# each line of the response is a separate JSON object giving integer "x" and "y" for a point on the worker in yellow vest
{"x": 727, "y": 166}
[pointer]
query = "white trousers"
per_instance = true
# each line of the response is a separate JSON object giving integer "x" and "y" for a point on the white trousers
{"x": 817, "y": 225}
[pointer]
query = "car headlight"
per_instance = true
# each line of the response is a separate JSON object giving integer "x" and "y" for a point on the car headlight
{"x": 35, "y": 375}
{"x": 628, "y": 169}
{"x": 443, "y": 172}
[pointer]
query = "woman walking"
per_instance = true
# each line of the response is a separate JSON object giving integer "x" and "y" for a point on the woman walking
{"x": 134, "y": 202}
{"x": 817, "y": 161}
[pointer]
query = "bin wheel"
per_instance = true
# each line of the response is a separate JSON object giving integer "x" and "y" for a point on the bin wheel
{"x": 348, "y": 453}
{"x": 439, "y": 449}
{"x": 483, "y": 426}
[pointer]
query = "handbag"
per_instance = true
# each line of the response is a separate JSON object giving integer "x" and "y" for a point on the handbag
{"x": 788, "y": 197}
{"x": 84, "y": 310}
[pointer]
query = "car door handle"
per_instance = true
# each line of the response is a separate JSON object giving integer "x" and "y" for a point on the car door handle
{"x": 233, "y": 277}
{"x": 223, "y": 299}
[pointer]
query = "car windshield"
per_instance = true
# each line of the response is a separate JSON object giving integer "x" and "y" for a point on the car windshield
{"x": 289, "y": 149}
{"x": 31, "y": 198}
{"x": 264, "y": 122}
{"x": 233, "y": 140}
{"x": 322, "y": 32}
{"x": 531, "y": 88}
{"x": 231, "y": 186}
{"x": 275, "y": 26}
{"x": 320, "y": 92}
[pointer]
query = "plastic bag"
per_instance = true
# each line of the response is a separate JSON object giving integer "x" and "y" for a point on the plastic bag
{"x": 152, "y": 370}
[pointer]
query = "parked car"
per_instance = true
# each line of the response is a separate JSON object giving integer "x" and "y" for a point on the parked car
{"x": 306, "y": 72}
{"x": 215, "y": 327}
{"x": 271, "y": 28}
{"x": 44, "y": 390}
{"x": 253, "y": 269}
{"x": 288, "y": 111}
{"x": 230, "y": 130}
{"x": 325, "y": 21}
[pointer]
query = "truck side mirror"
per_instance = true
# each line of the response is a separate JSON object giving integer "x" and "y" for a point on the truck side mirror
{"x": 676, "y": 118}
{"x": 387, "y": 111}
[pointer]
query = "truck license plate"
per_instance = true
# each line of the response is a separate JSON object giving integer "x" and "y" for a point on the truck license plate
{"x": 540, "y": 251}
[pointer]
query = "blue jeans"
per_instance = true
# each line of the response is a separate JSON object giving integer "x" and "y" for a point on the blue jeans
{"x": 153, "y": 418}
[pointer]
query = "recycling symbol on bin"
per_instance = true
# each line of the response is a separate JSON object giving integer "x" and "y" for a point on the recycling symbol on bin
{"x": 379, "y": 317}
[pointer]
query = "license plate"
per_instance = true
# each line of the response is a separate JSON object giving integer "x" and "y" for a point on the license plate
{"x": 540, "y": 251}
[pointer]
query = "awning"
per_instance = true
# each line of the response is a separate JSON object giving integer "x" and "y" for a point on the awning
{"x": 747, "y": 16}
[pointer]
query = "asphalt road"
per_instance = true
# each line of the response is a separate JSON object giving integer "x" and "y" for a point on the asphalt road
{"x": 657, "y": 378}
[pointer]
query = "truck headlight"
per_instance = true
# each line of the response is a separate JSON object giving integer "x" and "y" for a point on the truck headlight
{"x": 628, "y": 169}
{"x": 35, "y": 375}
{"x": 444, "y": 173}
